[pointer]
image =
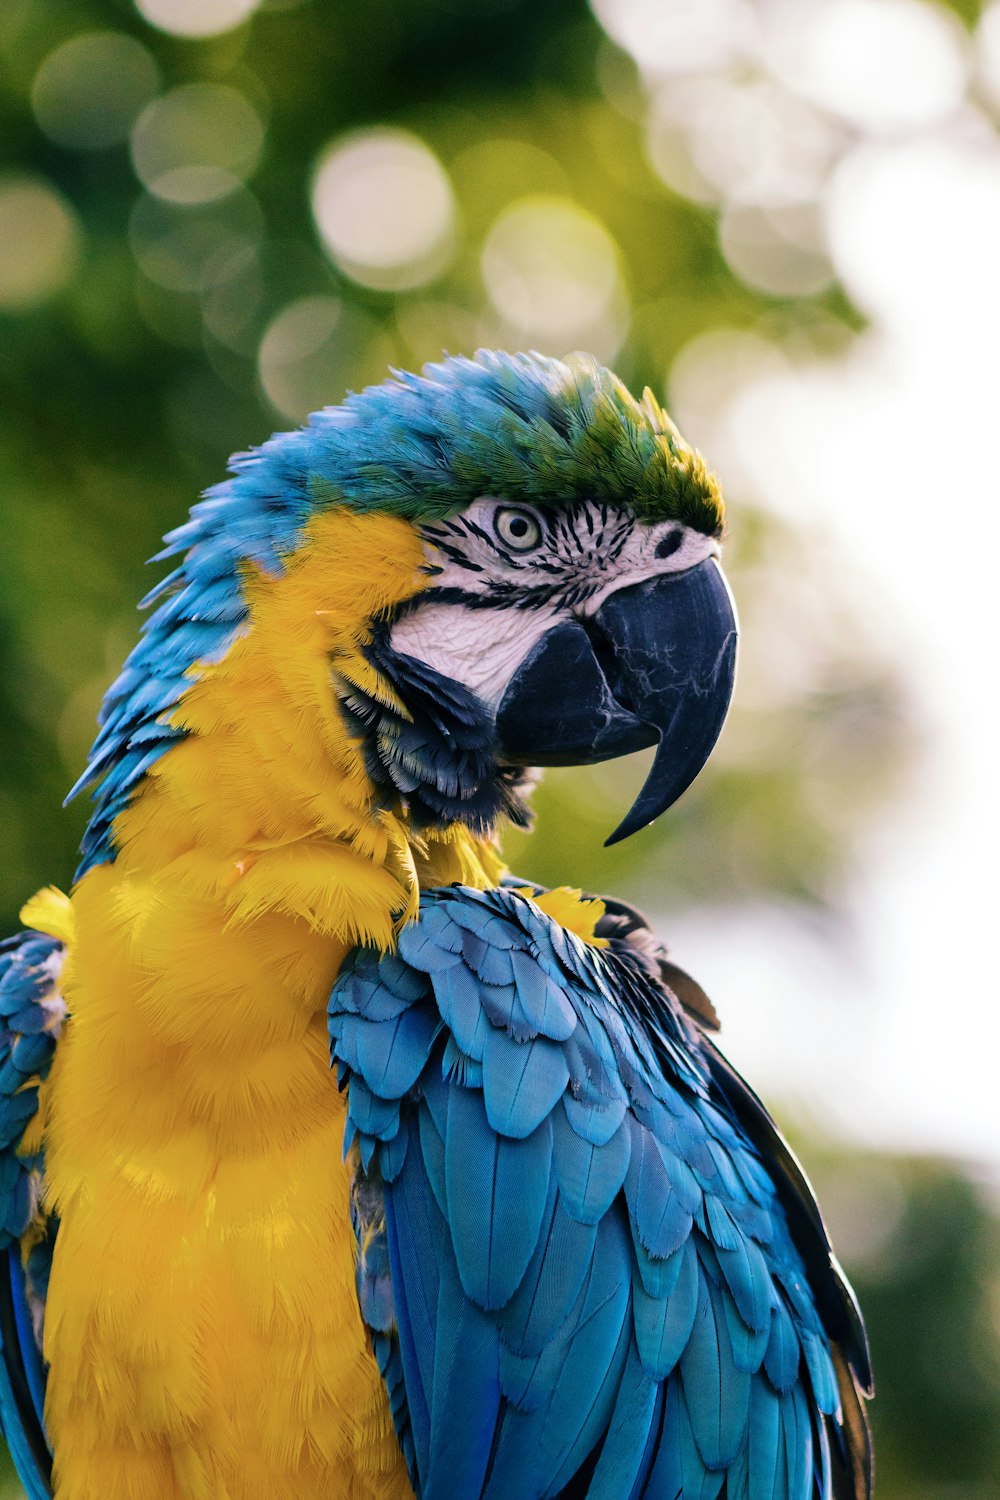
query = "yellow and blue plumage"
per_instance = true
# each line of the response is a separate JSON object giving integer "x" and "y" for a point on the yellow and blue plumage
{"x": 541, "y": 1241}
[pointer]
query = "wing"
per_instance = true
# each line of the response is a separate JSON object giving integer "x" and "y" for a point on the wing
{"x": 853, "y": 1477}
{"x": 31, "y": 1016}
{"x": 575, "y": 1262}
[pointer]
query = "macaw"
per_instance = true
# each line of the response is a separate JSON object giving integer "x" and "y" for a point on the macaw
{"x": 532, "y": 1236}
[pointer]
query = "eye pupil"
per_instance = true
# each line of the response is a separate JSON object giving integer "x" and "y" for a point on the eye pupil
{"x": 519, "y": 526}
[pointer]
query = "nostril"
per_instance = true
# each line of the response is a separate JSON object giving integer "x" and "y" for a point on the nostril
{"x": 669, "y": 544}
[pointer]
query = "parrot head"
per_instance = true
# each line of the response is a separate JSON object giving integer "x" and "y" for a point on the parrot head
{"x": 585, "y": 632}
{"x": 575, "y": 609}
{"x": 567, "y": 605}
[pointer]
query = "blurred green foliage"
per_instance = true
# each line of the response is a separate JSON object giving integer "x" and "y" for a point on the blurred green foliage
{"x": 922, "y": 1246}
{"x": 149, "y": 332}
{"x": 122, "y": 401}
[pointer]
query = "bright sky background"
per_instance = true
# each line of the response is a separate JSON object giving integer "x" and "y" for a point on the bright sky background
{"x": 892, "y": 1037}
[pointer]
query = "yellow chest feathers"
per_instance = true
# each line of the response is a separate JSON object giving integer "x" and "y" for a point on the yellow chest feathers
{"x": 202, "y": 1325}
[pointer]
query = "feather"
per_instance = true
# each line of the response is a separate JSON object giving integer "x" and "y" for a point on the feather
{"x": 541, "y": 1305}
{"x": 798, "y": 1444}
{"x": 749, "y": 1280}
{"x": 490, "y": 964}
{"x": 660, "y": 1222}
{"x": 457, "y": 1068}
{"x": 680, "y": 1472}
{"x": 421, "y": 949}
{"x": 748, "y": 1345}
{"x": 432, "y": 1147}
{"x": 663, "y": 1323}
{"x": 628, "y": 1448}
{"x": 497, "y": 1190}
{"x": 522, "y": 1082}
{"x": 369, "y": 1114}
{"x": 544, "y": 1003}
{"x": 465, "y": 1401}
{"x": 821, "y": 1372}
{"x": 767, "y": 1471}
{"x": 416, "y": 1240}
{"x": 590, "y": 1177}
{"x": 781, "y": 1360}
{"x": 716, "y": 1392}
{"x": 594, "y": 1119}
{"x": 460, "y": 1001}
{"x": 538, "y": 1450}
{"x": 392, "y": 1153}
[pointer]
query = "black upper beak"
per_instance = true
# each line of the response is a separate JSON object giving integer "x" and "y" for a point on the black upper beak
{"x": 655, "y": 663}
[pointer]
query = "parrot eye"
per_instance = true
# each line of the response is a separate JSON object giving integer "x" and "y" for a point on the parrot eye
{"x": 517, "y": 529}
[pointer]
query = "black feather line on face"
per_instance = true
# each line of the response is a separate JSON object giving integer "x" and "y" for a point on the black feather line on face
{"x": 564, "y": 547}
{"x": 439, "y": 765}
{"x": 457, "y": 556}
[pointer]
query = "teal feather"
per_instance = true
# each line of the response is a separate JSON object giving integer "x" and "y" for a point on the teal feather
{"x": 768, "y": 1474}
{"x": 497, "y": 1189}
{"x": 522, "y": 1082}
{"x": 660, "y": 1220}
{"x": 538, "y": 1309}
{"x": 781, "y": 1359}
{"x": 629, "y": 1446}
{"x": 590, "y": 1177}
{"x": 663, "y": 1324}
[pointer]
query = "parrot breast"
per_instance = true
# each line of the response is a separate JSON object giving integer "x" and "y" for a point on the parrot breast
{"x": 202, "y": 1328}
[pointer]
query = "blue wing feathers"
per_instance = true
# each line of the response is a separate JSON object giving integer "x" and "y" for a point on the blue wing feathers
{"x": 590, "y": 1176}
{"x": 465, "y": 1398}
{"x": 781, "y": 1358}
{"x": 765, "y": 1453}
{"x": 31, "y": 1015}
{"x": 633, "y": 1430}
{"x": 558, "y": 1268}
{"x": 660, "y": 1221}
{"x": 594, "y": 1279}
{"x": 748, "y": 1345}
{"x": 522, "y": 1083}
{"x": 717, "y": 1392}
{"x": 663, "y": 1323}
{"x": 749, "y": 1281}
{"x": 496, "y": 1190}
{"x": 415, "y": 1239}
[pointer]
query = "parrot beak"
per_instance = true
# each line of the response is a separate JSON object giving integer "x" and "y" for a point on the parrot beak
{"x": 655, "y": 663}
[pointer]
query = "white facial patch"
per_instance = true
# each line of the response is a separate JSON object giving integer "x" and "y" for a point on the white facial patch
{"x": 480, "y": 648}
{"x": 506, "y": 573}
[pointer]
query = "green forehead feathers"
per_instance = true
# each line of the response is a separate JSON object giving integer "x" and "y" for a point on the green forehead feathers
{"x": 521, "y": 426}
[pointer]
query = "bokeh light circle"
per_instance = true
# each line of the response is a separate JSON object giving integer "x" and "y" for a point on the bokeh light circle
{"x": 385, "y": 209}
{"x": 196, "y": 143}
{"x": 190, "y": 248}
{"x": 748, "y": 140}
{"x": 315, "y": 349}
{"x": 781, "y": 251}
{"x": 882, "y": 65}
{"x": 39, "y": 241}
{"x": 88, "y": 91}
{"x": 196, "y": 18}
{"x": 677, "y": 36}
{"x": 551, "y": 269}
